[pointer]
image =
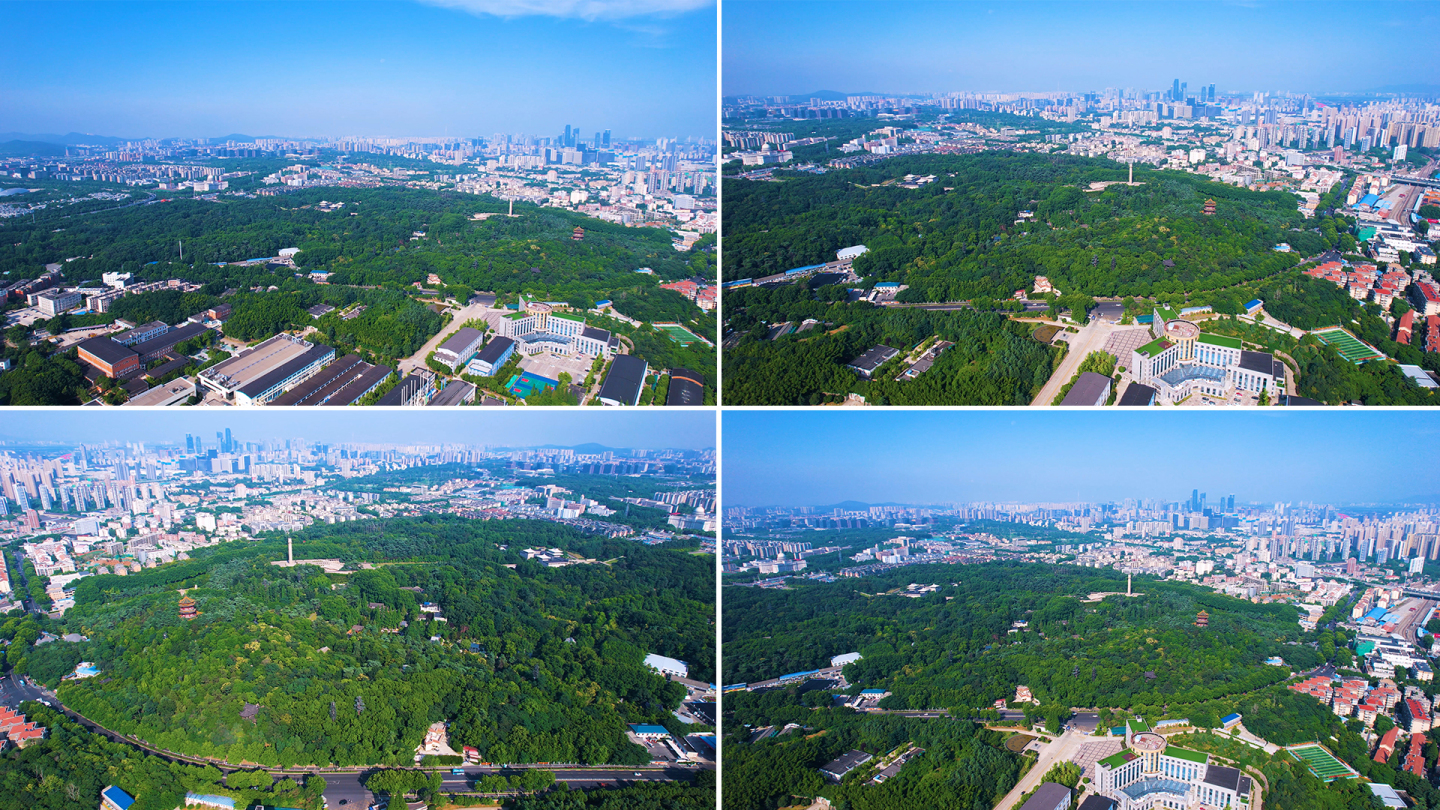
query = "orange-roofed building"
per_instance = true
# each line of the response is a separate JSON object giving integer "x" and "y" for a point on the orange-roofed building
{"x": 1386, "y": 747}
{"x": 1405, "y": 327}
{"x": 1415, "y": 757}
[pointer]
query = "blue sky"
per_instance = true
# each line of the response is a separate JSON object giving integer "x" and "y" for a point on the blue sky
{"x": 651, "y": 428}
{"x": 208, "y": 68}
{"x": 819, "y": 457}
{"x": 792, "y": 47}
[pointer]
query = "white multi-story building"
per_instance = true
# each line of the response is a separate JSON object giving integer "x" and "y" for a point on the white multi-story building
{"x": 1182, "y": 360}
{"x": 1150, "y": 773}
{"x": 539, "y": 328}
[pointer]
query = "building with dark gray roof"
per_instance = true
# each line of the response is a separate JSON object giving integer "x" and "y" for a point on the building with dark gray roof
{"x": 625, "y": 380}
{"x": 686, "y": 388}
{"x": 491, "y": 357}
{"x": 1049, "y": 796}
{"x": 456, "y": 392}
{"x": 836, "y": 769}
{"x": 867, "y": 363}
{"x": 109, "y": 357}
{"x": 160, "y": 345}
{"x": 1090, "y": 390}
{"x": 1097, "y": 802}
{"x": 1137, "y": 395}
{"x": 457, "y": 350}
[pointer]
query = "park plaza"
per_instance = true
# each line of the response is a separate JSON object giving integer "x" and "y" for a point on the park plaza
{"x": 1150, "y": 773}
{"x": 1182, "y": 360}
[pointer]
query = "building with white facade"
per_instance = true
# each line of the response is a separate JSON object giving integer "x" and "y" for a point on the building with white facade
{"x": 1182, "y": 360}
{"x": 539, "y": 328}
{"x": 1150, "y": 773}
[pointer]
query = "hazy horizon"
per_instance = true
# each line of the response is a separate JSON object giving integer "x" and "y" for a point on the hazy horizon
{"x": 460, "y": 68}
{"x": 817, "y": 458}
{"x": 654, "y": 429}
{"x": 971, "y": 46}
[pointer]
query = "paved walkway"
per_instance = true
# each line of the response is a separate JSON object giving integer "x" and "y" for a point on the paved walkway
{"x": 1273, "y": 323}
{"x": 417, "y": 360}
{"x": 1062, "y": 750}
{"x": 1090, "y": 338}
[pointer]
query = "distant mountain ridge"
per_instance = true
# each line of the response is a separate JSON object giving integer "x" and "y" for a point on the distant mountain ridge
{"x": 22, "y": 148}
{"x": 80, "y": 138}
{"x": 68, "y": 139}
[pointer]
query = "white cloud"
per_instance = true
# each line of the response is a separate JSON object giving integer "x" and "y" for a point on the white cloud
{"x": 576, "y": 9}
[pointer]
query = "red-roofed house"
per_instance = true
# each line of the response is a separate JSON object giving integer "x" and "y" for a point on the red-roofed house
{"x": 1432, "y": 333}
{"x": 1415, "y": 757}
{"x": 1405, "y": 327}
{"x": 27, "y": 735}
{"x": 1386, "y": 746}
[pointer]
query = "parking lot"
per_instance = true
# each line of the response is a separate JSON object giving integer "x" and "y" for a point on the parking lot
{"x": 548, "y": 365}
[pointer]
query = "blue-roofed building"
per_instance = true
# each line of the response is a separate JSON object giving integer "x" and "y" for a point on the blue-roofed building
{"x": 1252, "y": 305}
{"x": 887, "y": 285}
{"x": 209, "y": 800}
{"x": 646, "y": 731}
{"x": 803, "y": 269}
{"x": 1376, "y": 615}
{"x": 113, "y": 798}
{"x": 1230, "y": 720}
{"x": 1369, "y": 199}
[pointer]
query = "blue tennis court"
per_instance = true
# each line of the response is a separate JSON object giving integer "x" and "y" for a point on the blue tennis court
{"x": 524, "y": 384}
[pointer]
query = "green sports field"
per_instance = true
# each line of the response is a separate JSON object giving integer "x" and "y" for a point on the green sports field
{"x": 1350, "y": 347}
{"x": 1322, "y": 763}
{"x": 678, "y": 333}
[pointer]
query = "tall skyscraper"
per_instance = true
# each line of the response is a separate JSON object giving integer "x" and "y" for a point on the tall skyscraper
{"x": 605, "y": 139}
{"x": 229, "y": 443}
{"x": 1175, "y": 91}
{"x": 1194, "y": 493}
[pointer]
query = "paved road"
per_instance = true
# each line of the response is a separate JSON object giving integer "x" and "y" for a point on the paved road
{"x": 1061, "y": 750}
{"x": 13, "y": 692}
{"x": 1090, "y": 338}
{"x": 417, "y": 360}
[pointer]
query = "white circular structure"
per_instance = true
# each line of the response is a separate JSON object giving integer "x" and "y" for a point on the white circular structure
{"x": 1181, "y": 330}
{"x": 1146, "y": 743}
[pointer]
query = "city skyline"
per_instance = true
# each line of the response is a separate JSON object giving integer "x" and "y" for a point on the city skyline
{"x": 919, "y": 47}
{"x": 683, "y": 430}
{"x": 431, "y": 68}
{"x": 914, "y": 457}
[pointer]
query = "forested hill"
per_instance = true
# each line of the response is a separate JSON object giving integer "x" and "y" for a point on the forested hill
{"x": 958, "y": 238}
{"x": 954, "y": 649}
{"x": 367, "y": 242}
{"x": 532, "y": 665}
{"x": 993, "y": 361}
